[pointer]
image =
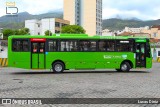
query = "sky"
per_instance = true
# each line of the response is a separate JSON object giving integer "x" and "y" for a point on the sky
{"x": 141, "y": 9}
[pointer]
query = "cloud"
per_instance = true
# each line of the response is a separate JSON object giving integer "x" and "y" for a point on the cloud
{"x": 142, "y": 9}
{"x": 39, "y": 6}
{"x": 32, "y": 6}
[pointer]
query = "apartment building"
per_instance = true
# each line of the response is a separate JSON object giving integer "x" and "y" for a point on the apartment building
{"x": 86, "y": 13}
{"x": 38, "y": 27}
{"x": 154, "y": 31}
{"x": 136, "y": 30}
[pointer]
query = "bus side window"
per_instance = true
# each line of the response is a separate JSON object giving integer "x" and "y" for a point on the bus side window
{"x": 102, "y": 46}
{"x": 110, "y": 45}
{"x": 52, "y": 46}
{"x": 25, "y": 46}
{"x": 85, "y": 45}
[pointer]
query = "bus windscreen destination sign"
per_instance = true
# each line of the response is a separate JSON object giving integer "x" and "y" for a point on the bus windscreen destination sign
{"x": 141, "y": 40}
{"x": 38, "y": 40}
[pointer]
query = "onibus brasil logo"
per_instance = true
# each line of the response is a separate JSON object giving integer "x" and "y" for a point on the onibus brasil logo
{"x": 11, "y": 8}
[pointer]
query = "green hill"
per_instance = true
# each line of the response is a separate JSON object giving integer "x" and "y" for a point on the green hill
{"x": 119, "y": 24}
{"x": 17, "y": 22}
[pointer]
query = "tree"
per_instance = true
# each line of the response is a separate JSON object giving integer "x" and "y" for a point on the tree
{"x": 23, "y": 31}
{"x": 48, "y": 33}
{"x": 7, "y": 33}
{"x": 26, "y": 30}
{"x": 73, "y": 29}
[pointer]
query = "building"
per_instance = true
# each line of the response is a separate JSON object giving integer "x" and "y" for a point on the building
{"x": 38, "y": 27}
{"x": 146, "y": 35}
{"x": 86, "y": 13}
{"x": 126, "y": 34}
{"x": 107, "y": 32}
{"x": 154, "y": 31}
{"x": 155, "y": 48}
{"x": 3, "y": 48}
{"x": 136, "y": 30}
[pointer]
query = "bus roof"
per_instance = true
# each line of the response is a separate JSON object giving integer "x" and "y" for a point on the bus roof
{"x": 74, "y": 36}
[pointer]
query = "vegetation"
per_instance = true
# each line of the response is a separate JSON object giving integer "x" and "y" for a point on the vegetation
{"x": 119, "y": 24}
{"x": 9, "y": 32}
{"x": 73, "y": 29}
{"x": 48, "y": 33}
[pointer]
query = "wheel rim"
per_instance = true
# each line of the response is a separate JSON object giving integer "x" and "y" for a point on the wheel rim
{"x": 124, "y": 67}
{"x": 58, "y": 67}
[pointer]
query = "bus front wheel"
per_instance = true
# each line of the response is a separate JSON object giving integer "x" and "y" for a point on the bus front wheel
{"x": 125, "y": 67}
{"x": 58, "y": 67}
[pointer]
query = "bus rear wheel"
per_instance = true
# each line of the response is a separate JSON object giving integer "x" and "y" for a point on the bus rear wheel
{"x": 58, "y": 67}
{"x": 125, "y": 67}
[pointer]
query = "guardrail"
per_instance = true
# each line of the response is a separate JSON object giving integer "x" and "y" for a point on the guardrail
{"x": 3, "y": 62}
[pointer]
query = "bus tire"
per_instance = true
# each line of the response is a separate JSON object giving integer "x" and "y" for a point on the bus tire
{"x": 125, "y": 67}
{"x": 58, "y": 67}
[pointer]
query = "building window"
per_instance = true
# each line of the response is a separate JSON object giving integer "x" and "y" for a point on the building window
{"x": 56, "y": 31}
{"x": 57, "y": 24}
{"x": 39, "y": 25}
{"x": 154, "y": 34}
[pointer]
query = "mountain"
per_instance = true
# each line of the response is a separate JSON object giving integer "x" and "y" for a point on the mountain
{"x": 21, "y": 17}
{"x": 17, "y": 21}
{"x": 56, "y": 11}
{"x": 119, "y": 24}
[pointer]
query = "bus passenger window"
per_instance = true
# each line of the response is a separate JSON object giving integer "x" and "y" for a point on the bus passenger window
{"x": 93, "y": 46}
{"x": 84, "y": 46}
{"x": 52, "y": 46}
{"x": 25, "y": 46}
{"x": 73, "y": 46}
{"x": 20, "y": 45}
{"x": 102, "y": 46}
{"x": 124, "y": 46}
{"x": 110, "y": 45}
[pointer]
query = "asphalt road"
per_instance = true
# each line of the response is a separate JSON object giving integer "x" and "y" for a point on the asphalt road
{"x": 19, "y": 83}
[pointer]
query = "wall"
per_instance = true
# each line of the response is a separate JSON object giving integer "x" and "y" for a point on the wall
{"x": 48, "y": 24}
{"x": 69, "y": 11}
{"x": 4, "y": 54}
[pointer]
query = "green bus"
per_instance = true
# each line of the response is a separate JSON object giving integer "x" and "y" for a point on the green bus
{"x": 61, "y": 52}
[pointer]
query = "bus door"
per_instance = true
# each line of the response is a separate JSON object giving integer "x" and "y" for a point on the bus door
{"x": 140, "y": 54}
{"x": 38, "y": 53}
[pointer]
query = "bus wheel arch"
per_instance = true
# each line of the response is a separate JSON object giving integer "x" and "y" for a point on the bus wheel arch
{"x": 58, "y": 66}
{"x": 126, "y": 65}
